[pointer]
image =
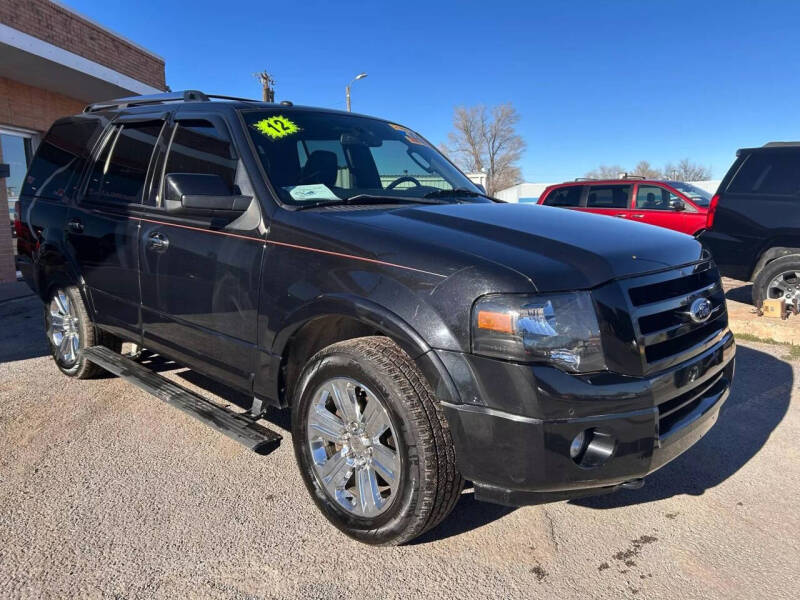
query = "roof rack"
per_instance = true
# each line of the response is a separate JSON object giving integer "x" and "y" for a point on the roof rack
{"x": 626, "y": 176}
{"x": 782, "y": 145}
{"x": 184, "y": 96}
{"x": 585, "y": 179}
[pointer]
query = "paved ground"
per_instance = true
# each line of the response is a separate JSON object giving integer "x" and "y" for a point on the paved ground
{"x": 107, "y": 492}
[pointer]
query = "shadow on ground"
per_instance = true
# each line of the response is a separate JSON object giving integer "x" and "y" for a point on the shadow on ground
{"x": 741, "y": 293}
{"x": 759, "y": 399}
{"x": 22, "y": 335}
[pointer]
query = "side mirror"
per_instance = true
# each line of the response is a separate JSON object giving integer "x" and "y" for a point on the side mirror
{"x": 677, "y": 204}
{"x": 201, "y": 194}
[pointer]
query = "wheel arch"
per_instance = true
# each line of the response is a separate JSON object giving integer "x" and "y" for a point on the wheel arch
{"x": 335, "y": 318}
{"x": 773, "y": 250}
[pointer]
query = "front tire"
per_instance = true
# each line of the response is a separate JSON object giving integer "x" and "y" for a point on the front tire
{"x": 372, "y": 444}
{"x": 69, "y": 330}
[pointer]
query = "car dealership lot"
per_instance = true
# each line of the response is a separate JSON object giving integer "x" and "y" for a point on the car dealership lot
{"x": 107, "y": 492}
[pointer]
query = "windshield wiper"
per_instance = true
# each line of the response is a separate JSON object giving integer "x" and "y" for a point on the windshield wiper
{"x": 456, "y": 192}
{"x": 366, "y": 199}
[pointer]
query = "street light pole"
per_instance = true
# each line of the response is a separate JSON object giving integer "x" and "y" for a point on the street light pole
{"x": 347, "y": 89}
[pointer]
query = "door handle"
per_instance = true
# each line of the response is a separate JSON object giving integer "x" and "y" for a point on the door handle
{"x": 75, "y": 226}
{"x": 621, "y": 215}
{"x": 157, "y": 242}
{"x": 638, "y": 216}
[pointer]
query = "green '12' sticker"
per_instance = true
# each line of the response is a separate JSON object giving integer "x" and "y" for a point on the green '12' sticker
{"x": 276, "y": 127}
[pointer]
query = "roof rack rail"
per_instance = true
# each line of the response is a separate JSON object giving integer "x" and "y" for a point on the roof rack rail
{"x": 218, "y": 97}
{"x": 626, "y": 176}
{"x": 184, "y": 96}
{"x": 584, "y": 179}
{"x": 781, "y": 145}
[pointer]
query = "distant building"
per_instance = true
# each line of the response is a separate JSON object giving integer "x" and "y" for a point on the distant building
{"x": 530, "y": 192}
{"x": 54, "y": 61}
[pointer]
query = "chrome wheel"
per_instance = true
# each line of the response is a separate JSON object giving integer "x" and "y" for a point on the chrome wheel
{"x": 786, "y": 286}
{"x": 62, "y": 329}
{"x": 353, "y": 447}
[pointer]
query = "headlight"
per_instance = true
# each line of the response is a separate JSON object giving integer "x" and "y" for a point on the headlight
{"x": 561, "y": 329}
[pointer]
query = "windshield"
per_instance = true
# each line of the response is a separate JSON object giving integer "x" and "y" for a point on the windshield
{"x": 318, "y": 157}
{"x": 697, "y": 195}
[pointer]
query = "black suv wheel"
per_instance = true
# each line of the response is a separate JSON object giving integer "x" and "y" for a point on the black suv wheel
{"x": 372, "y": 444}
{"x": 778, "y": 279}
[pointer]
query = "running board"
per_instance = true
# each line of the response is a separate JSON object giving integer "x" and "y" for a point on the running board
{"x": 236, "y": 426}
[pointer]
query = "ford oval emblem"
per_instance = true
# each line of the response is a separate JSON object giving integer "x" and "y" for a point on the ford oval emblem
{"x": 700, "y": 310}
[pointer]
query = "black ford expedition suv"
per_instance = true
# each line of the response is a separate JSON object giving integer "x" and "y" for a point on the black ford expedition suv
{"x": 338, "y": 265}
{"x": 753, "y": 227}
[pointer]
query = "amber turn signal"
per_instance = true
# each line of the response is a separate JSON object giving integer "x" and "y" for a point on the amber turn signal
{"x": 495, "y": 321}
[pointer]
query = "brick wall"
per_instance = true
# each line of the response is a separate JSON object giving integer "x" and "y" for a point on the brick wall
{"x": 62, "y": 28}
{"x": 33, "y": 108}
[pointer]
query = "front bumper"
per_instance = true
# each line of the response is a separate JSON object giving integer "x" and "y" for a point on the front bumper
{"x": 513, "y": 431}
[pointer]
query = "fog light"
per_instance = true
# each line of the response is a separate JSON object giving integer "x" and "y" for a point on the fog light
{"x": 576, "y": 447}
{"x": 591, "y": 448}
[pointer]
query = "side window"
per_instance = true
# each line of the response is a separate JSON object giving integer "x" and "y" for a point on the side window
{"x": 566, "y": 196}
{"x": 200, "y": 147}
{"x": 609, "y": 196}
{"x": 119, "y": 172}
{"x": 56, "y": 168}
{"x": 653, "y": 197}
{"x": 775, "y": 172}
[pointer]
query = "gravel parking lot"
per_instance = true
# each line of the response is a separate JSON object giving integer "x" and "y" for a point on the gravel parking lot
{"x": 107, "y": 492}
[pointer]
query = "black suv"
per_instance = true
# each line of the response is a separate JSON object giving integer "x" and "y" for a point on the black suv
{"x": 338, "y": 265}
{"x": 754, "y": 221}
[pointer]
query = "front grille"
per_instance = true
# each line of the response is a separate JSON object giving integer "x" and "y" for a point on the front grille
{"x": 660, "y": 303}
{"x": 672, "y": 412}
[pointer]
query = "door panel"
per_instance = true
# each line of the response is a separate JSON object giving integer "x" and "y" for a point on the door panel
{"x": 652, "y": 206}
{"x": 200, "y": 275}
{"x": 101, "y": 230}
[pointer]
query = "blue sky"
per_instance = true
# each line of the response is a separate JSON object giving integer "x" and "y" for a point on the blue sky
{"x": 594, "y": 82}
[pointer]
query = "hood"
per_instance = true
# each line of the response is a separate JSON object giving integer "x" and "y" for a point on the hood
{"x": 556, "y": 248}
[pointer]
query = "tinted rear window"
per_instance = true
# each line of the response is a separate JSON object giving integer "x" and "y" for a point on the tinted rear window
{"x": 775, "y": 172}
{"x": 60, "y": 159}
{"x": 609, "y": 196}
{"x": 566, "y": 196}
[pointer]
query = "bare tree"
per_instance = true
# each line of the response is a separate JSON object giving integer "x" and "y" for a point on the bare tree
{"x": 486, "y": 140}
{"x": 606, "y": 172}
{"x": 643, "y": 169}
{"x": 686, "y": 170}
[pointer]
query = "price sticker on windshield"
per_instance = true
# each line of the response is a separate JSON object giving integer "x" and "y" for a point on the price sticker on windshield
{"x": 276, "y": 127}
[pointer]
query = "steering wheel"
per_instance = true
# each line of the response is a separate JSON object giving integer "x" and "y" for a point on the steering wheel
{"x": 403, "y": 179}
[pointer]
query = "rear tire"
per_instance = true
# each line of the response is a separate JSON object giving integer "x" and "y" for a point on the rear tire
{"x": 379, "y": 379}
{"x": 777, "y": 279}
{"x": 69, "y": 330}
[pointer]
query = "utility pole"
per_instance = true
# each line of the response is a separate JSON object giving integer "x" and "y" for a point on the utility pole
{"x": 267, "y": 86}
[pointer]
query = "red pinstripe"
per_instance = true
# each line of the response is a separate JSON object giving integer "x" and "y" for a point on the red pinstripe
{"x": 288, "y": 245}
